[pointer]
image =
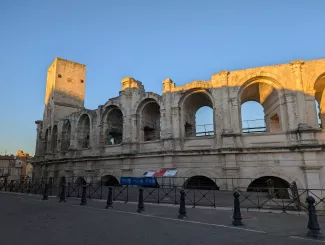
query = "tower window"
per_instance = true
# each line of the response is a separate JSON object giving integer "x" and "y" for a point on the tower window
{"x": 59, "y": 76}
{"x": 82, "y": 81}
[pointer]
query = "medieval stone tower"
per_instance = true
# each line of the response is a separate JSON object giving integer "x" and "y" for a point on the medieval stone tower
{"x": 65, "y": 90}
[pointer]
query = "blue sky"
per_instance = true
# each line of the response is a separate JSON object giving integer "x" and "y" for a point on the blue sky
{"x": 148, "y": 40}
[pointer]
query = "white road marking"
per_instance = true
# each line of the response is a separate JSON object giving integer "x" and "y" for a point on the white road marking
{"x": 307, "y": 239}
{"x": 178, "y": 220}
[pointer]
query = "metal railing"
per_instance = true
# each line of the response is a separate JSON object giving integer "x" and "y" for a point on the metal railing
{"x": 204, "y": 130}
{"x": 254, "y": 126}
{"x": 284, "y": 199}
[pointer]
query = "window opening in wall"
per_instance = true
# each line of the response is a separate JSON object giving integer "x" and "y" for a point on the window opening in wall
{"x": 66, "y": 132}
{"x": 151, "y": 121}
{"x": 113, "y": 126}
{"x": 59, "y": 76}
{"x": 319, "y": 122}
{"x": 260, "y": 109}
{"x": 319, "y": 88}
{"x": 188, "y": 130}
{"x": 252, "y": 112}
{"x": 84, "y": 131}
{"x": 54, "y": 139}
{"x": 198, "y": 115}
{"x": 82, "y": 81}
{"x": 204, "y": 122}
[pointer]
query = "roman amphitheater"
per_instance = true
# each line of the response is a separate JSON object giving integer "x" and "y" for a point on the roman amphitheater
{"x": 139, "y": 131}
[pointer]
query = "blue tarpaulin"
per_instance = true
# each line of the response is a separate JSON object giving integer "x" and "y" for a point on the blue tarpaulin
{"x": 141, "y": 181}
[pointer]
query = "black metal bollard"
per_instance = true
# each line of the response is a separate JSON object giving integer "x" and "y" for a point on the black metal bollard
{"x": 46, "y": 192}
{"x": 84, "y": 195}
{"x": 182, "y": 208}
{"x": 140, "y": 203}
{"x": 62, "y": 195}
{"x": 109, "y": 203}
{"x": 237, "y": 214}
{"x": 313, "y": 226}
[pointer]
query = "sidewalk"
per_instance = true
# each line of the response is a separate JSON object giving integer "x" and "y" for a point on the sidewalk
{"x": 280, "y": 224}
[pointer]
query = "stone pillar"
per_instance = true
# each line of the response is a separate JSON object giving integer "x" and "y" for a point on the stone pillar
{"x": 96, "y": 129}
{"x": 74, "y": 144}
{"x": 311, "y": 169}
{"x": 234, "y": 115}
{"x": 322, "y": 118}
{"x": 231, "y": 171}
{"x": 296, "y": 67}
{"x": 312, "y": 117}
{"x": 135, "y": 124}
{"x": 39, "y": 141}
{"x": 176, "y": 122}
{"x": 49, "y": 140}
{"x": 167, "y": 119}
{"x": 223, "y": 82}
{"x": 291, "y": 110}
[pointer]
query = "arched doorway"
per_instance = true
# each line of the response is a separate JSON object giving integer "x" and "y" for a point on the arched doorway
{"x": 200, "y": 182}
{"x": 62, "y": 180}
{"x": 275, "y": 186}
{"x": 109, "y": 180}
{"x": 80, "y": 181}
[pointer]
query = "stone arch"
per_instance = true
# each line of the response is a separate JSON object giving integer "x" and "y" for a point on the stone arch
{"x": 184, "y": 174}
{"x": 200, "y": 182}
{"x": 109, "y": 180}
{"x": 275, "y": 186}
{"x": 112, "y": 123}
{"x": 114, "y": 102}
{"x": 319, "y": 73}
{"x": 319, "y": 91}
{"x": 84, "y": 130}
{"x": 275, "y": 174}
{"x": 189, "y": 104}
{"x": 149, "y": 120}
{"x": 66, "y": 135}
{"x": 268, "y": 92}
{"x": 149, "y": 95}
{"x": 80, "y": 181}
{"x": 54, "y": 140}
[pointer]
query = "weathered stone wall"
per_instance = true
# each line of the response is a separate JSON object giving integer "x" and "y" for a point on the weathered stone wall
{"x": 291, "y": 148}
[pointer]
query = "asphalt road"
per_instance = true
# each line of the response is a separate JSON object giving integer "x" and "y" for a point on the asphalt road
{"x": 26, "y": 220}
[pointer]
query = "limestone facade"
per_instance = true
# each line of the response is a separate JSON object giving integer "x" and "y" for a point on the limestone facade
{"x": 139, "y": 131}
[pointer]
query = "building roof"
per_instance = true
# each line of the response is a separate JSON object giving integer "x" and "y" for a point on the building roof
{"x": 12, "y": 157}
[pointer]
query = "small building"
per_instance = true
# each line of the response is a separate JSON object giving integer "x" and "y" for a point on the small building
{"x": 6, "y": 164}
{"x": 16, "y": 168}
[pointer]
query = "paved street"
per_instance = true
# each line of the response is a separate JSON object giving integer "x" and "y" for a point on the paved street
{"x": 25, "y": 219}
